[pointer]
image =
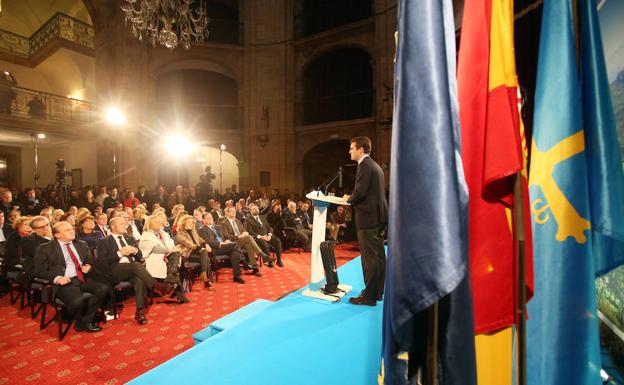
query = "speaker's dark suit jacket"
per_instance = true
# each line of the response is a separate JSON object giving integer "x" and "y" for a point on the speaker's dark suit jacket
{"x": 254, "y": 228}
{"x": 50, "y": 262}
{"x": 369, "y": 198}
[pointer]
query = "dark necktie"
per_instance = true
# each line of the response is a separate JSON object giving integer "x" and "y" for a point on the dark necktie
{"x": 74, "y": 259}
{"x": 121, "y": 241}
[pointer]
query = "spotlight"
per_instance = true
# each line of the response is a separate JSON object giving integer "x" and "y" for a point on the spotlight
{"x": 7, "y": 73}
{"x": 177, "y": 145}
{"x": 41, "y": 135}
{"x": 222, "y": 147}
{"x": 114, "y": 116}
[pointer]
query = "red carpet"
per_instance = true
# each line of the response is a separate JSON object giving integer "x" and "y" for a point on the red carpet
{"x": 123, "y": 349}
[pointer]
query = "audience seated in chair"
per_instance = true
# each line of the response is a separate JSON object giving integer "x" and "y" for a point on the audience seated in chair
{"x": 292, "y": 219}
{"x": 62, "y": 262}
{"x": 121, "y": 255}
{"x": 162, "y": 256}
{"x": 262, "y": 233}
{"x": 193, "y": 247}
{"x": 214, "y": 238}
{"x": 235, "y": 232}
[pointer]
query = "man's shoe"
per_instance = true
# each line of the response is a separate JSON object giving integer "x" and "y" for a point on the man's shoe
{"x": 247, "y": 267}
{"x": 280, "y": 263}
{"x": 90, "y": 327}
{"x": 270, "y": 264}
{"x": 140, "y": 317}
{"x": 181, "y": 297}
{"x": 362, "y": 301}
{"x": 239, "y": 280}
{"x": 161, "y": 289}
{"x": 257, "y": 272}
{"x": 380, "y": 297}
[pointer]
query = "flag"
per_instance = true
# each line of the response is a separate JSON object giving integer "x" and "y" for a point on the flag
{"x": 576, "y": 191}
{"x": 493, "y": 151}
{"x": 427, "y": 238}
{"x": 492, "y": 145}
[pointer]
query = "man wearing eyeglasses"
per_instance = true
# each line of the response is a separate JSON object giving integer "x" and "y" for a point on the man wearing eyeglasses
{"x": 42, "y": 233}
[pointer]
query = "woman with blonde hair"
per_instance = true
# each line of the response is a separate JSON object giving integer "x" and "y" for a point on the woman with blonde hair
{"x": 56, "y": 216}
{"x": 13, "y": 248}
{"x": 193, "y": 247}
{"x": 162, "y": 256}
{"x": 81, "y": 213}
{"x": 176, "y": 220}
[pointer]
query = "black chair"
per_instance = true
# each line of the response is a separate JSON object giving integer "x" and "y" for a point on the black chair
{"x": 217, "y": 262}
{"x": 120, "y": 293}
{"x": 188, "y": 274}
{"x": 290, "y": 233}
{"x": 17, "y": 287}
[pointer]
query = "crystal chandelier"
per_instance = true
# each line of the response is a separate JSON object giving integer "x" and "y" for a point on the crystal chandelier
{"x": 167, "y": 22}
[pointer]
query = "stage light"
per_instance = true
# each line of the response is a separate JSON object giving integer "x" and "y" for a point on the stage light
{"x": 7, "y": 73}
{"x": 41, "y": 135}
{"x": 222, "y": 147}
{"x": 114, "y": 116}
{"x": 178, "y": 145}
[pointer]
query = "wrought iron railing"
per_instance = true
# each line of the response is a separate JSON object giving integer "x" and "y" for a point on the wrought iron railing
{"x": 27, "y": 103}
{"x": 353, "y": 105}
{"x": 59, "y": 26}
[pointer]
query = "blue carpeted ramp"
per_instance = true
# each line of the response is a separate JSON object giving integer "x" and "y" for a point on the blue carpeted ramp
{"x": 297, "y": 340}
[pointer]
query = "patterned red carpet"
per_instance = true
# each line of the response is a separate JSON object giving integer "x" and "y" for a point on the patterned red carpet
{"x": 123, "y": 350}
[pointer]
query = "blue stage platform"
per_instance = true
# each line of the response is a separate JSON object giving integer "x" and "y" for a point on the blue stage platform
{"x": 296, "y": 340}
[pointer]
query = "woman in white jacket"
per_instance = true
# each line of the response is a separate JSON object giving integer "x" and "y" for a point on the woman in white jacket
{"x": 162, "y": 256}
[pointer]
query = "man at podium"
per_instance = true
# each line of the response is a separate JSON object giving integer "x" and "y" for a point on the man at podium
{"x": 371, "y": 216}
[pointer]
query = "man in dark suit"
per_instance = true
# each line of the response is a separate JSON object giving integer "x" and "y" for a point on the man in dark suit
{"x": 62, "y": 262}
{"x": 260, "y": 230}
{"x": 122, "y": 256}
{"x": 234, "y": 230}
{"x": 371, "y": 216}
{"x": 101, "y": 226}
{"x": 42, "y": 233}
{"x": 220, "y": 246}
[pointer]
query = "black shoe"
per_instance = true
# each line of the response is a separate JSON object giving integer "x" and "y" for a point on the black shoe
{"x": 380, "y": 297}
{"x": 280, "y": 263}
{"x": 140, "y": 318}
{"x": 362, "y": 301}
{"x": 247, "y": 267}
{"x": 181, "y": 297}
{"x": 257, "y": 272}
{"x": 90, "y": 327}
{"x": 270, "y": 264}
{"x": 239, "y": 280}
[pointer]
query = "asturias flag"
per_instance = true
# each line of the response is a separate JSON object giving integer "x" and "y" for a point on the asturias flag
{"x": 427, "y": 239}
{"x": 577, "y": 198}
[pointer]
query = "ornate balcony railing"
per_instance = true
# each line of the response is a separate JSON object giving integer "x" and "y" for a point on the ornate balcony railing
{"x": 27, "y": 103}
{"x": 59, "y": 26}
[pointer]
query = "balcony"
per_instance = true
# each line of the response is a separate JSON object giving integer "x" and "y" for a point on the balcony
{"x": 25, "y": 103}
{"x": 60, "y": 28}
{"x": 354, "y": 105}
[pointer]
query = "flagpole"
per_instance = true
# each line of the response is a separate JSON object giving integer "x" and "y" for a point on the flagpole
{"x": 519, "y": 236}
{"x": 431, "y": 371}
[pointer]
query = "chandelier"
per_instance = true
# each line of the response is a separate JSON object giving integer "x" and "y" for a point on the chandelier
{"x": 167, "y": 22}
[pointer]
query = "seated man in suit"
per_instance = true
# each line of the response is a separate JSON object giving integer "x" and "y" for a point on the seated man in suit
{"x": 62, "y": 262}
{"x": 305, "y": 215}
{"x": 337, "y": 222}
{"x": 213, "y": 237}
{"x": 120, "y": 252}
{"x": 42, "y": 233}
{"x": 101, "y": 226}
{"x": 292, "y": 219}
{"x": 235, "y": 232}
{"x": 217, "y": 213}
{"x": 259, "y": 228}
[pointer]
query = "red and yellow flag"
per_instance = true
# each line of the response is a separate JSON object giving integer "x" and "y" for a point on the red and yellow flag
{"x": 493, "y": 151}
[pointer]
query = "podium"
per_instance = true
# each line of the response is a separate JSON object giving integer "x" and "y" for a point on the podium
{"x": 317, "y": 274}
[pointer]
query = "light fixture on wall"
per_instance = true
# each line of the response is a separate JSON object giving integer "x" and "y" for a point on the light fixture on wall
{"x": 167, "y": 22}
{"x": 263, "y": 140}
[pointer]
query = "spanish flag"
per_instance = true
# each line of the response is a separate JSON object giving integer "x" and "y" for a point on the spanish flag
{"x": 493, "y": 151}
